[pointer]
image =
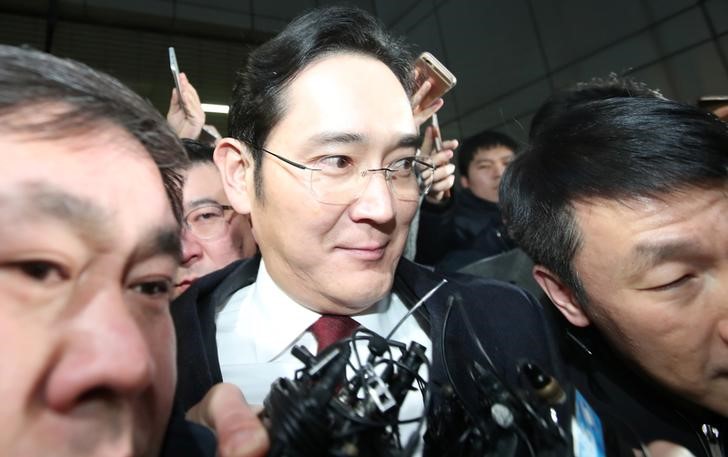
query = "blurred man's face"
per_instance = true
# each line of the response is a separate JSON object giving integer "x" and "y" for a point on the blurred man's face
{"x": 336, "y": 258}
{"x": 656, "y": 272}
{"x": 87, "y": 261}
{"x": 485, "y": 171}
{"x": 203, "y": 195}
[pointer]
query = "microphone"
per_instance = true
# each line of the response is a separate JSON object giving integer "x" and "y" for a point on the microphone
{"x": 546, "y": 387}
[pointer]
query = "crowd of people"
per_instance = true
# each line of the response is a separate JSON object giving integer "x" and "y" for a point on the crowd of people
{"x": 155, "y": 284}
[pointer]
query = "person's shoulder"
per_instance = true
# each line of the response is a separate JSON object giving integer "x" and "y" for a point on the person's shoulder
{"x": 489, "y": 299}
{"x": 237, "y": 272}
{"x": 187, "y": 439}
{"x": 488, "y": 291}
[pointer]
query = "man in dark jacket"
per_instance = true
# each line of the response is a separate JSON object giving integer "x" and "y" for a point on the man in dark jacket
{"x": 468, "y": 227}
{"x": 323, "y": 155}
{"x": 621, "y": 200}
{"x": 86, "y": 265}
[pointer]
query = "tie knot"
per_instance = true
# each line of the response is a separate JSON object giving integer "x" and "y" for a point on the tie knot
{"x": 330, "y": 328}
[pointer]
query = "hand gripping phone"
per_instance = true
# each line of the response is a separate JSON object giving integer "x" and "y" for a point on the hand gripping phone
{"x": 175, "y": 74}
{"x": 428, "y": 67}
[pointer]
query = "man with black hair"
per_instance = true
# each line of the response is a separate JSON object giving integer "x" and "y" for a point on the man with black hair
{"x": 213, "y": 234}
{"x": 89, "y": 223}
{"x": 621, "y": 200}
{"x": 468, "y": 227}
{"x": 323, "y": 154}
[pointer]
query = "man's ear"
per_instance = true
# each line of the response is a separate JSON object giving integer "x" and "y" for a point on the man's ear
{"x": 561, "y": 295}
{"x": 464, "y": 183}
{"x": 235, "y": 164}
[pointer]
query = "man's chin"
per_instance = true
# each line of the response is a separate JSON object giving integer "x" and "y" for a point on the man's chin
{"x": 361, "y": 293}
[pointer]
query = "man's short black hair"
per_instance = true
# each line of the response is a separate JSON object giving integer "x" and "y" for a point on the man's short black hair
{"x": 258, "y": 95}
{"x": 485, "y": 140}
{"x": 614, "y": 146}
{"x": 611, "y": 86}
{"x": 198, "y": 152}
{"x": 48, "y": 97}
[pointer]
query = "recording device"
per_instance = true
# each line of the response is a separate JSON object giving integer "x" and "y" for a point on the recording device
{"x": 325, "y": 412}
{"x": 208, "y": 134}
{"x": 175, "y": 73}
{"x": 481, "y": 413}
{"x": 442, "y": 79}
{"x": 428, "y": 67}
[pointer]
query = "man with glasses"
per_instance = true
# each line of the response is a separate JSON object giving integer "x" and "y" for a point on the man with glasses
{"x": 323, "y": 155}
{"x": 213, "y": 234}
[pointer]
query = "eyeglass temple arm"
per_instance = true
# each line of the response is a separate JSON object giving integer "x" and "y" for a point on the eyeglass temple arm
{"x": 289, "y": 162}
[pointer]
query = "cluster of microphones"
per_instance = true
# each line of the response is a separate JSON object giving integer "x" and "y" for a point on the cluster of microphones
{"x": 345, "y": 405}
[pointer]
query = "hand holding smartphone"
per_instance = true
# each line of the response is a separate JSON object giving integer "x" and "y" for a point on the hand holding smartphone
{"x": 438, "y": 135}
{"x": 428, "y": 67}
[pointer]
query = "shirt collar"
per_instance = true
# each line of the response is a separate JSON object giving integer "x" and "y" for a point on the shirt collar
{"x": 275, "y": 321}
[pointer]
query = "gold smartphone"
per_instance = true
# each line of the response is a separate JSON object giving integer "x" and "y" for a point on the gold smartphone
{"x": 428, "y": 67}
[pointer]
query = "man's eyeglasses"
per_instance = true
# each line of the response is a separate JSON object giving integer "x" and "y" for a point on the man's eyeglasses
{"x": 337, "y": 180}
{"x": 207, "y": 222}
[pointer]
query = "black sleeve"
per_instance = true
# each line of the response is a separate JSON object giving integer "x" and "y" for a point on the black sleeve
{"x": 499, "y": 327}
{"x": 186, "y": 439}
{"x": 491, "y": 330}
{"x": 436, "y": 232}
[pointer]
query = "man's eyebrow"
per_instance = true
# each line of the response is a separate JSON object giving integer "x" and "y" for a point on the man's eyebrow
{"x": 335, "y": 138}
{"x": 648, "y": 254}
{"x": 325, "y": 138}
{"x": 161, "y": 241}
{"x": 201, "y": 202}
{"x": 409, "y": 141}
{"x": 37, "y": 199}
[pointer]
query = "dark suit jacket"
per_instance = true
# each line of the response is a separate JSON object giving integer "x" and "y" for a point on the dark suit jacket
{"x": 637, "y": 408}
{"x": 509, "y": 324}
{"x": 186, "y": 439}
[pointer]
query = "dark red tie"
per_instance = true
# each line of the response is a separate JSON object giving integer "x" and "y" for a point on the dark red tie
{"x": 330, "y": 328}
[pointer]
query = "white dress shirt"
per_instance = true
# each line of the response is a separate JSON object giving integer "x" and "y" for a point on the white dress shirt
{"x": 259, "y": 324}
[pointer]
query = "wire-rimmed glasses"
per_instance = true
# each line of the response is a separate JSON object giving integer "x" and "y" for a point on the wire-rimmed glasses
{"x": 207, "y": 221}
{"x": 337, "y": 180}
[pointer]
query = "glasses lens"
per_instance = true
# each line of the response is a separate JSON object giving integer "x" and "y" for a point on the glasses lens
{"x": 206, "y": 221}
{"x": 335, "y": 180}
{"x": 411, "y": 178}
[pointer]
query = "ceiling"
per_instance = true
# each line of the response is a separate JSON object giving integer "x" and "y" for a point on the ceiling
{"x": 508, "y": 55}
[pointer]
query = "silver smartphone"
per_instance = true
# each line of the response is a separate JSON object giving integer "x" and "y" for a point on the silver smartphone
{"x": 175, "y": 73}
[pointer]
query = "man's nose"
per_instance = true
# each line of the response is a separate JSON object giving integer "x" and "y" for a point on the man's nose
{"x": 191, "y": 247}
{"x": 723, "y": 330}
{"x": 500, "y": 168}
{"x": 103, "y": 353}
{"x": 722, "y": 303}
{"x": 376, "y": 203}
